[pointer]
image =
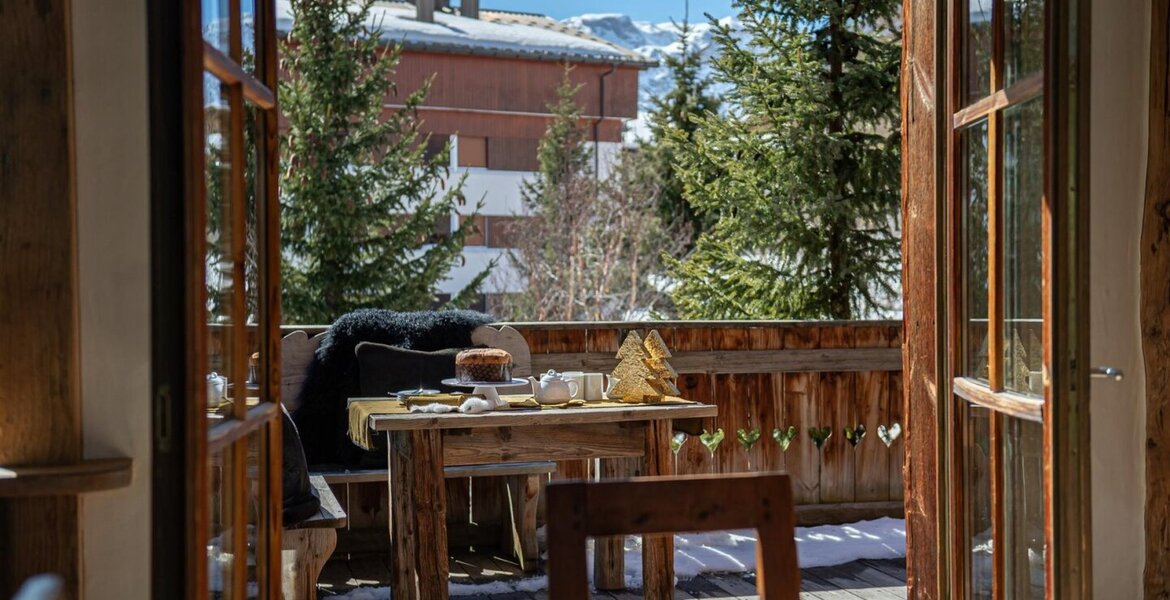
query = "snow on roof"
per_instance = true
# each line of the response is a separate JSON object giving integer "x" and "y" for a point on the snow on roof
{"x": 494, "y": 33}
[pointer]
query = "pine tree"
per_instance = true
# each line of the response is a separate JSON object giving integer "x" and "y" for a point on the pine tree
{"x": 359, "y": 198}
{"x": 807, "y": 156}
{"x": 590, "y": 247}
{"x": 675, "y": 113}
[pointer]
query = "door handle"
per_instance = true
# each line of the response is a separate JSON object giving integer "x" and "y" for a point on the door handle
{"x": 1107, "y": 373}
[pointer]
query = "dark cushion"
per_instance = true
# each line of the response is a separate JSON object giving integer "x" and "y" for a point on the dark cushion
{"x": 384, "y": 370}
{"x": 300, "y": 501}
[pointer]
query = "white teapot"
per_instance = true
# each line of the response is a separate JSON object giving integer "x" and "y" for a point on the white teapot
{"x": 553, "y": 388}
{"x": 216, "y": 389}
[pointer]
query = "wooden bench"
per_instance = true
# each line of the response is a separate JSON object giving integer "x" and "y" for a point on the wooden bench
{"x": 523, "y": 485}
{"x": 309, "y": 544}
{"x": 522, "y": 480}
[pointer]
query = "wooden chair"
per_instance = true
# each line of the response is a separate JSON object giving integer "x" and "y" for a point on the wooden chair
{"x": 664, "y": 505}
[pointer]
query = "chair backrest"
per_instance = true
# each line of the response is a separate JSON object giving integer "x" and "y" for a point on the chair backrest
{"x": 296, "y": 352}
{"x": 659, "y": 505}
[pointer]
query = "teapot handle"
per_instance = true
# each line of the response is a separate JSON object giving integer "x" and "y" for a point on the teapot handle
{"x": 573, "y": 388}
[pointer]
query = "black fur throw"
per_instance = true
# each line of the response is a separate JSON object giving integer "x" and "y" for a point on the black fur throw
{"x": 332, "y": 376}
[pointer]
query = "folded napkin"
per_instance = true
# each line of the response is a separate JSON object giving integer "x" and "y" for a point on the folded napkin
{"x": 359, "y": 418}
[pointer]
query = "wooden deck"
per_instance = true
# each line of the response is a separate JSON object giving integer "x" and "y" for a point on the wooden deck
{"x": 861, "y": 580}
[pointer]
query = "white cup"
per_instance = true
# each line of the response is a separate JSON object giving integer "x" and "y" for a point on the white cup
{"x": 577, "y": 377}
{"x": 594, "y": 388}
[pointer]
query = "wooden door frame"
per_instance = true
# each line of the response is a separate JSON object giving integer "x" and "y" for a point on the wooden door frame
{"x": 172, "y": 151}
{"x": 1155, "y": 307}
{"x": 930, "y": 466}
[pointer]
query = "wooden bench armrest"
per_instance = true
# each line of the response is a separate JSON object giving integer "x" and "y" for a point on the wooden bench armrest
{"x": 331, "y": 515}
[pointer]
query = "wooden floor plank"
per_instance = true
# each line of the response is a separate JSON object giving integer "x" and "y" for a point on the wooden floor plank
{"x": 736, "y": 585}
{"x": 856, "y": 579}
{"x": 895, "y": 567}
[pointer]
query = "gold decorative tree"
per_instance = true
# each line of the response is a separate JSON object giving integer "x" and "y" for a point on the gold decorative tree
{"x": 664, "y": 375}
{"x": 633, "y": 373}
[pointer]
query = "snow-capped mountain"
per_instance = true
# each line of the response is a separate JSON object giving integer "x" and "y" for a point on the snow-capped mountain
{"x": 655, "y": 41}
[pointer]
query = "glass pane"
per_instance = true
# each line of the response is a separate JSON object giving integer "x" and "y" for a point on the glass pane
{"x": 217, "y": 24}
{"x": 1023, "y": 193}
{"x": 1023, "y": 453}
{"x": 252, "y": 271}
{"x": 258, "y": 498}
{"x": 248, "y": 31}
{"x": 973, "y": 142}
{"x": 220, "y": 554}
{"x": 218, "y": 165}
{"x": 977, "y": 500}
{"x": 977, "y": 51}
{"x": 1023, "y": 39}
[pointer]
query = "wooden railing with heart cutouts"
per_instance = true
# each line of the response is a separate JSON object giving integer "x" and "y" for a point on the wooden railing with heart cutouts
{"x": 818, "y": 375}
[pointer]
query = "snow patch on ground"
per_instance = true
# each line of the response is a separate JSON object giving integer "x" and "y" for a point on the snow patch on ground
{"x": 720, "y": 552}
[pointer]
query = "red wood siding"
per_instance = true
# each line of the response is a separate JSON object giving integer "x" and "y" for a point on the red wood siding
{"x": 514, "y": 85}
{"x": 512, "y": 154}
{"x": 504, "y": 125}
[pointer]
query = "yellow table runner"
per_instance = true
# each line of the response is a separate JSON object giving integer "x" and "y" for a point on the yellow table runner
{"x": 360, "y": 409}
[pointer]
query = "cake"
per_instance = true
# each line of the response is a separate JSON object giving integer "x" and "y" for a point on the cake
{"x": 483, "y": 365}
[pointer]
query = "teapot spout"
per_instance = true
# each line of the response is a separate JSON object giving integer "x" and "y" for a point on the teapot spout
{"x": 535, "y": 385}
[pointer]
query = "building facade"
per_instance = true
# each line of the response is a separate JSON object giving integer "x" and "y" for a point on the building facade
{"x": 492, "y": 76}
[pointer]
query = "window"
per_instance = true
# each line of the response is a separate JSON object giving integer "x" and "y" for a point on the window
{"x": 234, "y": 219}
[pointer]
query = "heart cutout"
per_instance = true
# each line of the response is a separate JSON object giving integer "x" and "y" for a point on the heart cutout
{"x": 711, "y": 440}
{"x": 677, "y": 441}
{"x": 820, "y": 435}
{"x": 888, "y": 434}
{"x": 784, "y": 437}
{"x": 747, "y": 438}
{"x": 855, "y": 434}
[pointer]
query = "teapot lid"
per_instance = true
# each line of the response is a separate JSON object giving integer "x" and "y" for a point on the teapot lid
{"x": 551, "y": 374}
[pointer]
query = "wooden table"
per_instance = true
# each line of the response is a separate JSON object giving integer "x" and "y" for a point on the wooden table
{"x": 419, "y": 445}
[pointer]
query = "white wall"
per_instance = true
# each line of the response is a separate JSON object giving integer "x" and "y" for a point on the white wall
{"x": 110, "y": 96}
{"x": 1119, "y": 100}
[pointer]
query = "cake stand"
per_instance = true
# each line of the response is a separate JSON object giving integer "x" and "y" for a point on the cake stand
{"x": 487, "y": 389}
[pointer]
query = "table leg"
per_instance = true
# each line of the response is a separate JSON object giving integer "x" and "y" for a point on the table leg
{"x": 418, "y": 515}
{"x": 609, "y": 563}
{"x": 658, "y": 550}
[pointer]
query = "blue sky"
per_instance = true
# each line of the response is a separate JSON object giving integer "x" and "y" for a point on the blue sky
{"x": 655, "y": 11}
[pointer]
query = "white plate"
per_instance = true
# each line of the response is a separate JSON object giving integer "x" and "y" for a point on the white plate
{"x": 457, "y": 383}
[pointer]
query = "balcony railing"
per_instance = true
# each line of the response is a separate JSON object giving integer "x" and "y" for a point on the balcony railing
{"x": 770, "y": 375}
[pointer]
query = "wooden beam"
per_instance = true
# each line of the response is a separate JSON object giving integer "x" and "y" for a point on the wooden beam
{"x": 1155, "y": 309}
{"x": 921, "y": 143}
{"x": 40, "y": 416}
{"x": 503, "y": 444}
{"x": 721, "y": 362}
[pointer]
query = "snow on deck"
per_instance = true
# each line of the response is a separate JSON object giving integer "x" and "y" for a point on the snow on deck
{"x": 698, "y": 554}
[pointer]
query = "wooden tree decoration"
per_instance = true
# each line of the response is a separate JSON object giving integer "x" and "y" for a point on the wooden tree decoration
{"x": 634, "y": 373}
{"x": 664, "y": 375}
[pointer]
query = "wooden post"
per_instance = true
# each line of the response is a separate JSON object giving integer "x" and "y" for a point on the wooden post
{"x": 1155, "y": 312}
{"x": 40, "y": 416}
{"x": 430, "y": 513}
{"x": 658, "y": 549}
{"x": 418, "y": 522}
{"x": 567, "y": 579}
{"x": 425, "y": 10}
{"x": 609, "y": 553}
{"x": 921, "y": 106}
{"x": 403, "y": 536}
{"x": 469, "y": 9}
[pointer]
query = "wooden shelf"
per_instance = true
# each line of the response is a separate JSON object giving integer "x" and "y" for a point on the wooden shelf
{"x": 57, "y": 480}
